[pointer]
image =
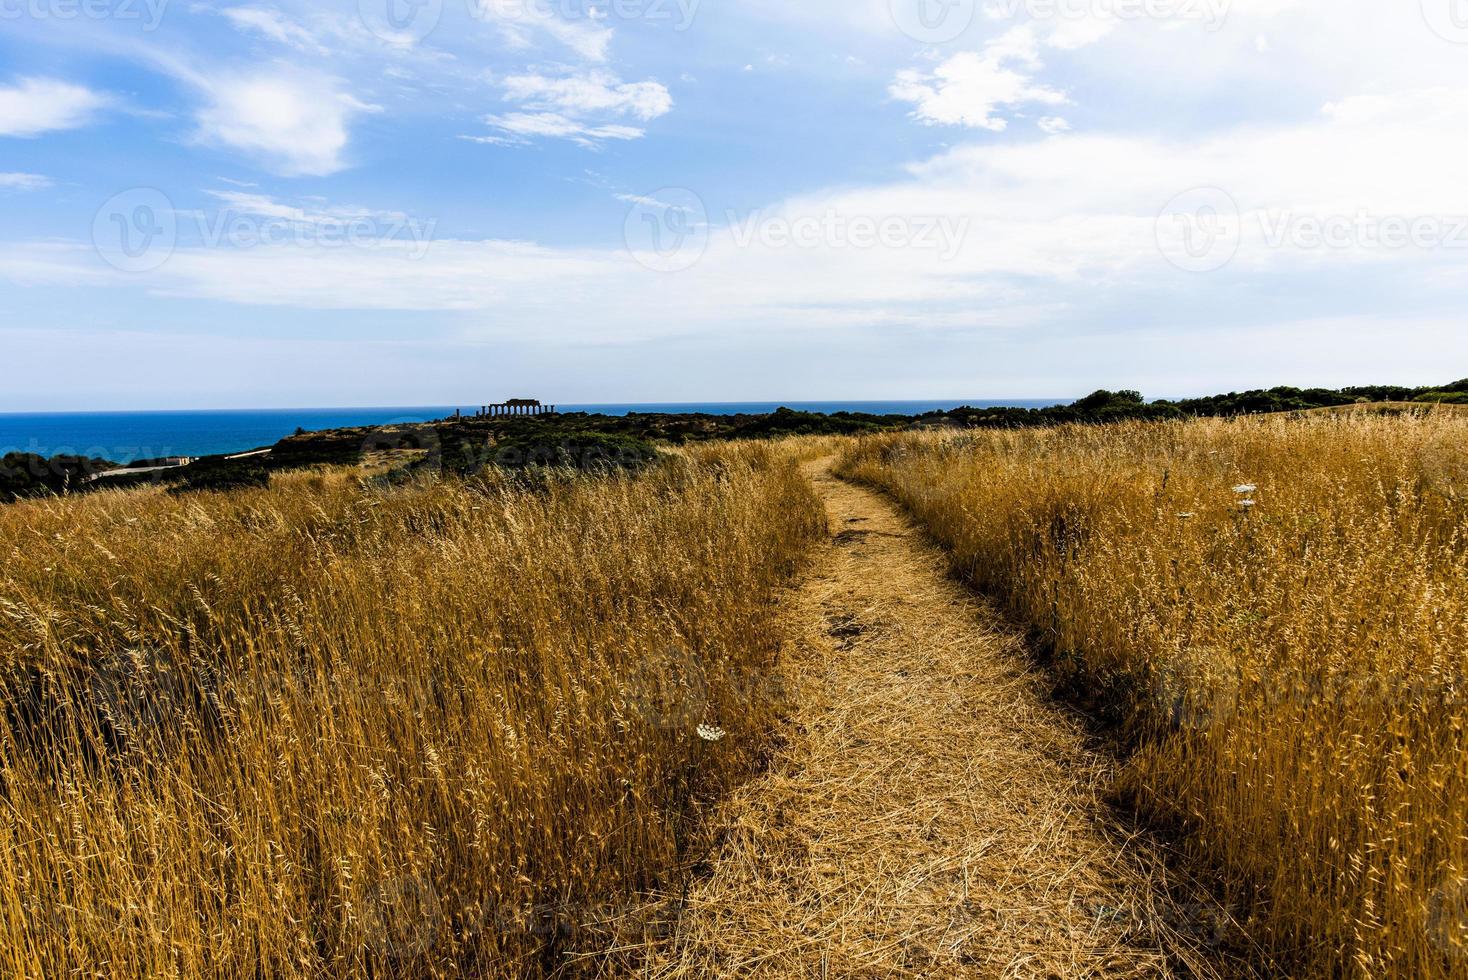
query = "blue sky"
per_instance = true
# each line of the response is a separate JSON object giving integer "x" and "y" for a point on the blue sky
{"x": 240, "y": 204}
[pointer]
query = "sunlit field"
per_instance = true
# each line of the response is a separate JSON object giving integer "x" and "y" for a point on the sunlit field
{"x": 1275, "y": 612}
{"x": 334, "y": 728}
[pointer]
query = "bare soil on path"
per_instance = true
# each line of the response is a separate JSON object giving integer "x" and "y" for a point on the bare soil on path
{"x": 931, "y": 812}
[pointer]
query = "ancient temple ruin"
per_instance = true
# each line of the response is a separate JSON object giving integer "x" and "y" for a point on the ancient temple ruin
{"x": 516, "y": 407}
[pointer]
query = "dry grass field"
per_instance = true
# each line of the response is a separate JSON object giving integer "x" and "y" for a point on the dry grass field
{"x": 343, "y": 727}
{"x": 337, "y": 729}
{"x": 1275, "y": 611}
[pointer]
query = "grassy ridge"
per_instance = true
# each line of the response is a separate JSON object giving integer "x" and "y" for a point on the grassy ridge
{"x": 1277, "y": 611}
{"x": 332, "y": 728}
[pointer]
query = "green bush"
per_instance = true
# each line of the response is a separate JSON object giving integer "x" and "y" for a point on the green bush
{"x": 584, "y": 451}
{"x": 216, "y": 474}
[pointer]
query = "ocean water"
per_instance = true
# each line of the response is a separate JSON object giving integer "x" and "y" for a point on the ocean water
{"x": 126, "y": 436}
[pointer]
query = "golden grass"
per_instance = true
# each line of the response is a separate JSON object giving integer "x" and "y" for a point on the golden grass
{"x": 1293, "y": 671}
{"x": 332, "y": 729}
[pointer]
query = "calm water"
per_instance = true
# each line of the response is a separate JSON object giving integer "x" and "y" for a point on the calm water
{"x": 125, "y": 436}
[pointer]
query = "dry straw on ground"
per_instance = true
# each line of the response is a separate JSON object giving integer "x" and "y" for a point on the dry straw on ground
{"x": 1277, "y": 610}
{"x": 334, "y": 729}
{"x": 933, "y": 813}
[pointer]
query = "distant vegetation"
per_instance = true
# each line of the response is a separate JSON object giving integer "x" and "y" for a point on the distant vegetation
{"x": 29, "y": 475}
{"x": 1119, "y": 406}
{"x": 1274, "y": 612}
{"x": 580, "y": 441}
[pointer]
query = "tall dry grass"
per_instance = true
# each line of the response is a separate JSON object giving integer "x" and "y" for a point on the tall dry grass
{"x": 332, "y": 729}
{"x": 1292, "y": 671}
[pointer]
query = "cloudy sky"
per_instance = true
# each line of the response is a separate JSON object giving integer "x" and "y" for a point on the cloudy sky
{"x": 334, "y": 202}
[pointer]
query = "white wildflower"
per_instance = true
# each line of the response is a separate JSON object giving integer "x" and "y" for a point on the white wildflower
{"x": 1247, "y": 504}
{"x": 710, "y": 733}
{"x": 1187, "y": 515}
{"x": 1245, "y": 488}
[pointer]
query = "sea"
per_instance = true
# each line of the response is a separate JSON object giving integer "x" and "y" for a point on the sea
{"x": 127, "y": 436}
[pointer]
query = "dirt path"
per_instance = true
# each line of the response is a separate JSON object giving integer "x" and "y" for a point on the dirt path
{"x": 932, "y": 813}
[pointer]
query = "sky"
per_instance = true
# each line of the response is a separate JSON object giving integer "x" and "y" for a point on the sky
{"x": 378, "y": 202}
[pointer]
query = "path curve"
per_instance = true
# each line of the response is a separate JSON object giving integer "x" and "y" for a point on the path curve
{"x": 931, "y": 813}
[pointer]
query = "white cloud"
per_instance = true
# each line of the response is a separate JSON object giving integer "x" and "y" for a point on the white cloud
{"x": 520, "y": 19}
{"x": 1057, "y": 285}
{"x": 274, "y": 25}
{"x": 295, "y": 121}
{"x": 1053, "y": 227}
{"x": 519, "y": 126}
{"x": 580, "y": 107}
{"x": 970, "y": 89}
{"x": 589, "y": 93}
{"x": 23, "y": 182}
{"x": 1053, "y": 125}
{"x": 40, "y": 105}
{"x": 246, "y": 202}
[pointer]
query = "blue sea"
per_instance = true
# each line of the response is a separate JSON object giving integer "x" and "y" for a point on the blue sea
{"x": 126, "y": 436}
